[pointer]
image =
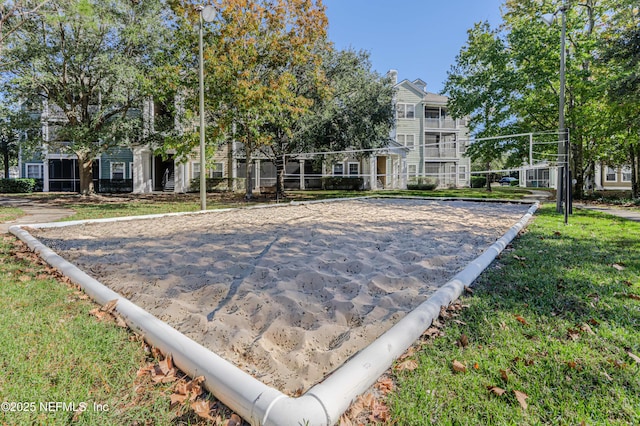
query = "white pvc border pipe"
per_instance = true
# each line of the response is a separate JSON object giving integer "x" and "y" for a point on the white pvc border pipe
{"x": 256, "y": 402}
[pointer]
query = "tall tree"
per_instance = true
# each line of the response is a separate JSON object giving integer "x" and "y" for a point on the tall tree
{"x": 621, "y": 56}
{"x": 352, "y": 108}
{"x": 91, "y": 62}
{"x": 253, "y": 58}
{"x": 481, "y": 86}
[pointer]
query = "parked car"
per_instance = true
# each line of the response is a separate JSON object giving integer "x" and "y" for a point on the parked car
{"x": 506, "y": 180}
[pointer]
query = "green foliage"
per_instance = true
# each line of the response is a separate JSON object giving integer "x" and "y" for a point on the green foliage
{"x": 93, "y": 63}
{"x": 17, "y": 186}
{"x": 478, "y": 181}
{"x": 422, "y": 184}
{"x": 342, "y": 183}
{"x": 213, "y": 184}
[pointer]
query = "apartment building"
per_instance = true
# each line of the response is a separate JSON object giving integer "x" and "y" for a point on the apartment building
{"x": 436, "y": 142}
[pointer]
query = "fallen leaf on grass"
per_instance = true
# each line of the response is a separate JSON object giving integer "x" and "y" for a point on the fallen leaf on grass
{"x": 521, "y": 320}
{"x": 202, "y": 408}
{"x": 520, "y": 258}
{"x": 618, "y": 267}
{"x": 459, "y": 367}
{"x": 409, "y": 364}
{"x": 384, "y": 385}
{"x": 109, "y": 306}
{"x": 585, "y": 328}
{"x": 636, "y": 358}
{"x": 521, "y": 397}
{"x": 633, "y": 296}
{"x": 572, "y": 364}
{"x": 235, "y": 420}
{"x": 496, "y": 390}
{"x": 505, "y": 374}
{"x": 476, "y": 366}
{"x": 463, "y": 342}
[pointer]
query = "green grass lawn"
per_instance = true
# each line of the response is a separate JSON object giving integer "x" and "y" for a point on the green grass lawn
{"x": 558, "y": 314}
{"x": 53, "y": 351}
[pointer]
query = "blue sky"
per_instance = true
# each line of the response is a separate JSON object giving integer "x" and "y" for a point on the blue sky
{"x": 419, "y": 38}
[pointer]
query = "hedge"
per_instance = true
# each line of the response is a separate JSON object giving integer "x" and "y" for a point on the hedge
{"x": 14, "y": 186}
{"x": 422, "y": 184}
{"x": 478, "y": 181}
{"x": 343, "y": 183}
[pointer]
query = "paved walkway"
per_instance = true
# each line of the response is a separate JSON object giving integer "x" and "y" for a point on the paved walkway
{"x": 34, "y": 212}
{"x": 633, "y": 215}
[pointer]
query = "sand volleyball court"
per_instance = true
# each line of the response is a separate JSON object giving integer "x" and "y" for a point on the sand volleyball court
{"x": 287, "y": 293}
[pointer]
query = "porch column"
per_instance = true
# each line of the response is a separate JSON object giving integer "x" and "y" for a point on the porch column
{"x": 256, "y": 173}
{"x": 373, "y": 165}
{"x": 302, "y": 174}
{"x": 45, "y": 175}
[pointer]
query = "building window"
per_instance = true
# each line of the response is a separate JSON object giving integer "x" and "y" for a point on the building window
{"x": 34, "y": 171}
{"x": 610, "y": 175}
{"x": 462, "y": 173}
{"x": 407, "y": 140}
{"x": 195, "y": 170}
{"x": 338, "y": 169}
{"x": 218, "y": 170}
{"x": 117, "y": 170}
{"x": 406, "y": 111}
{"x": 354, "y": 169}
{"x": 412, "y": 170}
{"x": 626, "y": 174}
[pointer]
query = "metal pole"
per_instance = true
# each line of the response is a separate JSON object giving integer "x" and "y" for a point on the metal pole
{"x": 203, "y": 181}
{"x": 562, "y": 145}
{"x": 562, "y": 160}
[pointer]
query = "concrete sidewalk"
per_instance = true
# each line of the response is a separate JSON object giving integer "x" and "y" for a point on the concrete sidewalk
{"x": 34, "y": 212}
{"x": 633, "y": 215}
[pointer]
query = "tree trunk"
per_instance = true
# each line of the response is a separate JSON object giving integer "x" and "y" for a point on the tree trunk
{"x": 86, "y": 175}
{"x": 5, "y": 157}
{"x": 279, "y": 163}
{"x": 488, "y": 177}
{"x": 578, "y": 171}
{"x": 230, "y": 185}
{"x": 248, "y": 185}
{"x": 634, "y": 154}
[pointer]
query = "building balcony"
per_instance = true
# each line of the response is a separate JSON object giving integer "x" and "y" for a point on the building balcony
{"x": 440, "y": 123}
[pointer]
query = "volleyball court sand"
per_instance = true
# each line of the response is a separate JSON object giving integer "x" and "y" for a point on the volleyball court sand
{"x": 288, "y": 293}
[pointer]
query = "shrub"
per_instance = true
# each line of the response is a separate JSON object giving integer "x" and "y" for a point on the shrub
{"x": 515, "y": 183}
{"x": 422, "y": 184}
{"x": 15, "y": 186}
{"x": 213, "y": 184}
{"x": 343, "y": 183}
{"x": 478, "y": 181}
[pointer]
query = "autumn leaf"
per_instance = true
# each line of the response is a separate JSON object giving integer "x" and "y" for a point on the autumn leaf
{"x": 572, "y": 364}
{"x": 476, "y": 366}
{"x": 496, "y": 390}
{"x": 521, "y": 320}
{"x": 409, "y": 364}
{"x": 109, "y": 306}
{"x": 521, "y": 397}
{"x": 177, "y": 399}
{"x": 459, "y": 367}
{"x": 384, "y": 385}
{"x": 505, "y": 374}
{"x": 235, "y": 420}
{"x": 202, "y": 408}
{"x": 463, "y": 341}
{"x": 618, "y": 267}
{"x": 634, "y": 357}
{"x": 633, "y": 296}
